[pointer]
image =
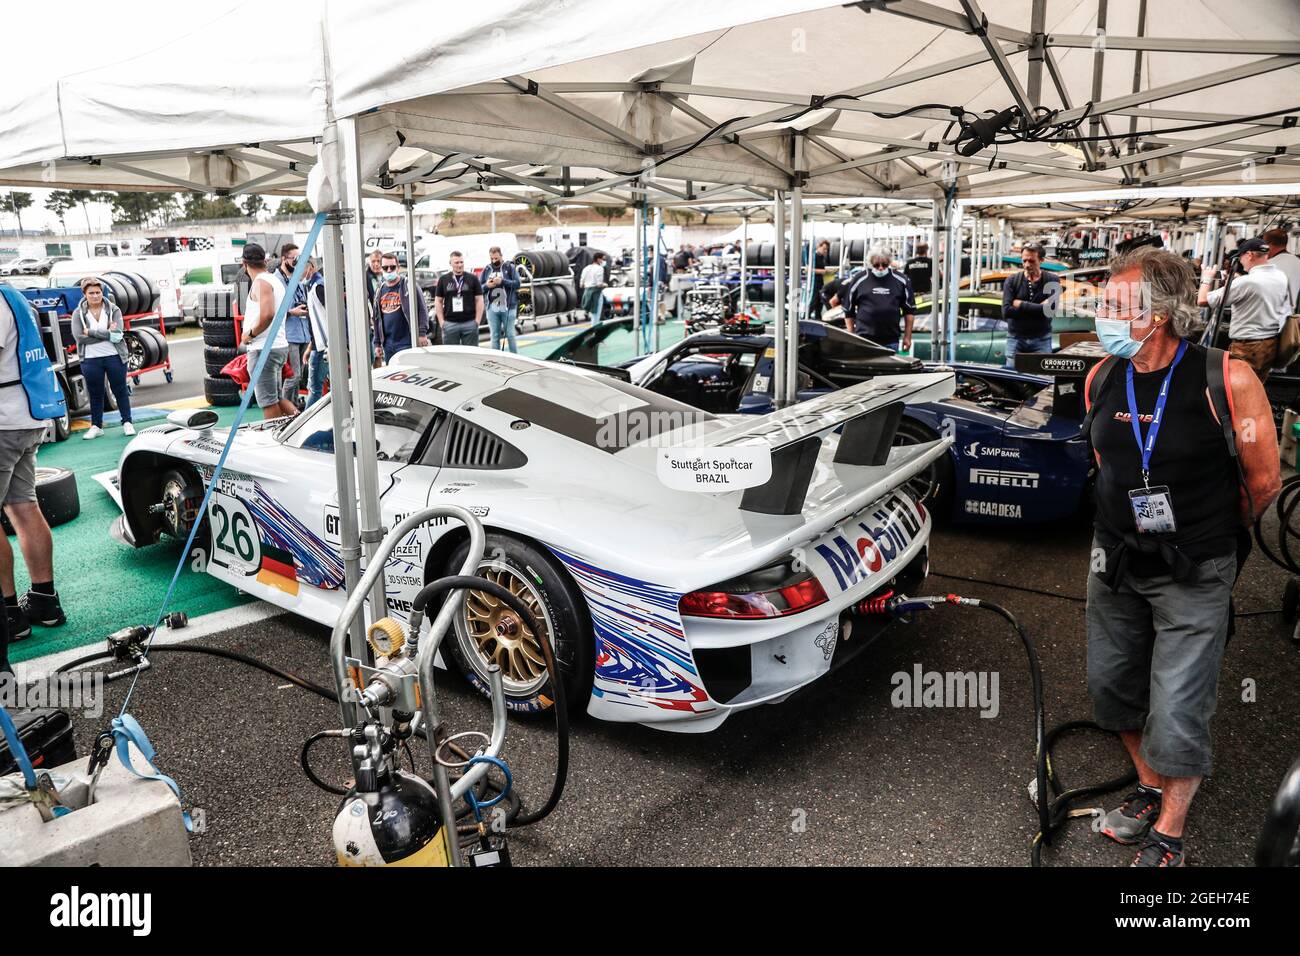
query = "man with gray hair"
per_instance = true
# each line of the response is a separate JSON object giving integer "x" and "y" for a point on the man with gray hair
{"x": 876, "y": 299}
{"x": 1187, "y": 459}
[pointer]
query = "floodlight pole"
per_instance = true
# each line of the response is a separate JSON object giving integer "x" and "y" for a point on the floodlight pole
{"x": 341, "y": 400}
{"x": 408, "y": 205}
{"x": 359, "y": 350}
{"x": 781, "y": 397}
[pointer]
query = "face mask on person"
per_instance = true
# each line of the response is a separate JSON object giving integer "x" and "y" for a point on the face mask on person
{"x": 880, "y": 273}
{"x": 1115, "y": 337}
{"x": 392, "y": 277}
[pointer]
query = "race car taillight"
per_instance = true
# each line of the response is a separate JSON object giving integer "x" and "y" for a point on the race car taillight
{"x": 774, "y": 591}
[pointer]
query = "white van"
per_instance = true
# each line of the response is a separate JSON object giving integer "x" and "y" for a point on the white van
{"x": 156, "y": 268}
{"x": 212, "y": 270}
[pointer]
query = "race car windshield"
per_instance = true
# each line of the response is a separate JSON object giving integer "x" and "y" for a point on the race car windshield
{"x": 400, "y": 424}
{"x": 616, "y": 415}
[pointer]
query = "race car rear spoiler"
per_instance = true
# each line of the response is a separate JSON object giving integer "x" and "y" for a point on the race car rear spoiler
{"x": 868, "y": 414}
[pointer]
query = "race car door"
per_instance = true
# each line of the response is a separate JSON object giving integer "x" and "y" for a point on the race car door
{"x": 403, "y": 428}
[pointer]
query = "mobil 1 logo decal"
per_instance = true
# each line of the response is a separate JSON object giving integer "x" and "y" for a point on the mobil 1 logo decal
{"x": 864, "y": 545}
{"x": 235, "y": 544}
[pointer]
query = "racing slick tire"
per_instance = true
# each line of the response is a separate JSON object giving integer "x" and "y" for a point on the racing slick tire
{"x": 160, "y": 344}
{"x": 56, "y": 494}
{"x": 217, "y": 357}
{"x": 936, "y": 485}
{"x": 220, "y": 332}
{"x": 488, "y": 626}
{"x": 221, "y": 390}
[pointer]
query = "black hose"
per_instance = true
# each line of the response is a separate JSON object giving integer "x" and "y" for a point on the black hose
{"x": 304, "y": 762}
{"x": 215, "y": 652}
{"x": 560, "y": 706}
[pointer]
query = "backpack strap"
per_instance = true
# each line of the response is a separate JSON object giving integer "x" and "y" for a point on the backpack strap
{"x": 1217, "y": 378}
{"x": 1093, "y": 390}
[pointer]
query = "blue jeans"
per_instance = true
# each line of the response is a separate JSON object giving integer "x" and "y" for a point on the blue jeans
{"x": 593, "y": 302}
{"x": 1036, "y": 343}
{"x": 95, "y": 369}
{"x": 501, "y": 322}
{"x": 318, "y": 370}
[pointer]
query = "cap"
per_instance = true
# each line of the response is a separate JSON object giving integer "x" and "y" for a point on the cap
{"x": 254, "y": 254}
{"x": 1252, "y": 245}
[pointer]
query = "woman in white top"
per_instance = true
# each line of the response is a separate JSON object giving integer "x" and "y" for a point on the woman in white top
{"x": 97, "y": 327}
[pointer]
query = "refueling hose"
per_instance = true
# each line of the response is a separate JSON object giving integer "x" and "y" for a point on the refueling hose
{"x": 1053, "y": 811}
{"x": 487, "y": 790}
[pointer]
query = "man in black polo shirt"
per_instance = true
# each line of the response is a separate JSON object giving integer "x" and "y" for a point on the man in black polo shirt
{"x": 1029, "y": 300}
{"x": 459, "y": 304}
{"x": 876, "y": 299}
{"x": 919, "y": 270}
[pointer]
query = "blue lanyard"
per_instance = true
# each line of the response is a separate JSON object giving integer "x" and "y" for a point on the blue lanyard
{"x": 1148, "y": 446}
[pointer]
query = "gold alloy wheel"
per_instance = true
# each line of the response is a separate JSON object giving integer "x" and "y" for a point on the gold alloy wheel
{"x": 491, "y": 632}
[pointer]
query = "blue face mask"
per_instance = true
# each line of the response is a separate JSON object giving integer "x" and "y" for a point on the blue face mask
{"x": 1115, "y": 338}
{"x": 879, "y": 273}
{"x": 392, "y": 277}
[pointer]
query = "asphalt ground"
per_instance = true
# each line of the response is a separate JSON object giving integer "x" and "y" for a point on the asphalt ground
{"x": 835, "y": 775}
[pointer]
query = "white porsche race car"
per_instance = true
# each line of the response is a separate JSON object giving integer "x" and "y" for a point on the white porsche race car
{"x": 668, "y": 607}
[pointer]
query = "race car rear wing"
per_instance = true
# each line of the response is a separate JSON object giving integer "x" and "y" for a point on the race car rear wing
{"x": 868, "y": 414}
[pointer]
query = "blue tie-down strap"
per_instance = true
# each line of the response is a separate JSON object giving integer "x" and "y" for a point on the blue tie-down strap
{"x": 478, "y": 806}
{"x": 17, "y": 749}
{"x": 127, "y": 731}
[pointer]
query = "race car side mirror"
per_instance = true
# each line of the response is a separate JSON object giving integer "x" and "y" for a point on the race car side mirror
{"x": 197, "y": 419}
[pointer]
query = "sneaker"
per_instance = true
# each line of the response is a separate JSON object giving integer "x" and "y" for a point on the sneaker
{"x": 94, "y": 431}
{"x": 19, "y": 626}
{"x": 1131, "y": 821}
{"x": 1158, "y": 852}
{"x": 43, "y": 610}
{"x": 128, "y": 429}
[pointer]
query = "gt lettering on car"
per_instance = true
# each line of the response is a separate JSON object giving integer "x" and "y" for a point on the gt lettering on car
{"x": 860, "y": 548}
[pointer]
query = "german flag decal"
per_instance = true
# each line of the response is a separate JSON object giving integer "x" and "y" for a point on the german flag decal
{"x": 278, "y": 569}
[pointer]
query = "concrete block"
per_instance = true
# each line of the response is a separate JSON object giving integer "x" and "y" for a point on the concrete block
{"x": 133, "y": 822}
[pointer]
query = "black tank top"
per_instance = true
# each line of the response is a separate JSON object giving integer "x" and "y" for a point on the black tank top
{"x": 1190, "y": 458}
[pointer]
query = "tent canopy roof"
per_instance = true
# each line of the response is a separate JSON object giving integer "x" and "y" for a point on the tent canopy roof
{"x": 688, "y": 104}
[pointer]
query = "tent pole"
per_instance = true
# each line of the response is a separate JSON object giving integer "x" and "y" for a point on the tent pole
{"x": 359, "y": 350}
{"x": 779, "y": 379}
{"x": 976, "y": 250}
{"x": 952, "y": 287}
{"x": 795, "y": 312}
{"x": 408, "y": 206}
{"x": 638, "y": 271}
{"x": 341, "y": 415}
{"x": 936, "y": 277}
{"x": 681, "y": 302}
{"x": 744, "y": 263}
{"x": 1208, "y": 257}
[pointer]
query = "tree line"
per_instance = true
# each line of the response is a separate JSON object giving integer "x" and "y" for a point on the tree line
{"x": 147, "y": 208}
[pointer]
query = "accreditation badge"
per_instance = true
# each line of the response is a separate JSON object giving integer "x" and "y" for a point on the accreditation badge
{"x": 1153, "y": 510}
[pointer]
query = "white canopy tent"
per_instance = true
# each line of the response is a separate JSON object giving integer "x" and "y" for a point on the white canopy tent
{"x": 676, "y": 104}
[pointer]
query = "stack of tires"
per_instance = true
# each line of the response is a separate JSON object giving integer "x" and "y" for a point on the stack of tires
{"x": 554, "y": 298}
{"x": 544, "y": 263}
{"x": 215, "y": 312}
{"x": 133, "y": 293}
{"x": 145, "y": 348}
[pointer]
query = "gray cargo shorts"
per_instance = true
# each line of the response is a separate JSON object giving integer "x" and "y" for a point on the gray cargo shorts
{"x": 1154, "y": 651}
{"x": 267, "y": 387}
{"x": 18, "y": 464}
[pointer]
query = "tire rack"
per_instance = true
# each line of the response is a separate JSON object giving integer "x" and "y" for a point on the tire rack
{"x": 526, "y": 285}
{"x": 165, "y": 366}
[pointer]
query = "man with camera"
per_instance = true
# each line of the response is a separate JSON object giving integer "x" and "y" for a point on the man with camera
{"x": 1260, "y": 302}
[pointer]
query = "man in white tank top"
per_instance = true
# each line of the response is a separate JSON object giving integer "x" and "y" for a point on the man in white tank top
{"x": 264, "y": 296}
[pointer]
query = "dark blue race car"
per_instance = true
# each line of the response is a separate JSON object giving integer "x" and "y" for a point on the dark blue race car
{"x": 1017, "y": 453}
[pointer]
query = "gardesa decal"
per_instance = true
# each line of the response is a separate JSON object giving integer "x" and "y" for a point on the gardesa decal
{"x": 858, "y": 550}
